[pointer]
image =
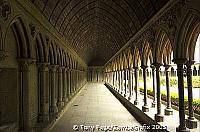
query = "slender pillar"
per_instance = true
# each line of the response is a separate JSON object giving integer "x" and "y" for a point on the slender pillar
{"x": 182, "y": 125}
{"x": 65, "y": 99}
{"x": 154, "y": 88}
{"x": 145, "y": 107}
{"x": 132, "y": 81}
{"x": 25, "y": 111}
{"x": 168, "y": 110}
{"x": 136, "y": 102}
{"x": 125, "y": 83}
{"x": 68, "y": 84}
{"x": 53, "y": 106}
{"x": 158, "y": 117}
{"x": 122, "y": 82}
{"x": 129, "y": 83}
{"x": 60, "y": 88}
{"x": 44, "y": 92}
{"x": 113, "y": 79}
{"x": 72, "y": 81}
{"x": 191, "y": 122}
{"x": 116, "y": 81}
{"x": 119, "y": 81}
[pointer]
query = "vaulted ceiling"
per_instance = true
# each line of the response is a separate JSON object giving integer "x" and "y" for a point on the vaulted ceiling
{"x": 97, "y": 29}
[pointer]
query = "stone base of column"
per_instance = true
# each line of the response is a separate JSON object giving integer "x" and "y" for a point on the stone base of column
{"x": 53, "y": 112}
{"x": 136, "y": 102}
{"x": 178, "y": 129}
{"x": 145, "y": 108}
{"x": 61, "y": 104}
{"x": 53, "y": 109}
{"x": 153, "y": 104}
{"x": 159, "y": 118}
{"x": 66, "y": 101}
{"x": 191, "y": 123}
{"x": 69, "y": 97}
{"x": 124, "y": 95}
{"x": 43, "y": 118}
{"x": 168, "y": 111}
{"x": 129, "y": 98}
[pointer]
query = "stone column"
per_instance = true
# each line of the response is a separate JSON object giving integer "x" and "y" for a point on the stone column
{"x": 76, "y": 81}
{"x": 44, "y": 92}
{"x": 65, "y": 99}
{"x": 129, "y": 83}
{"x": 168, "y": 110}
{"x": 191, "y": 122}
{"x": 136, "y": 102}
{"x": 145, "y": 107}
{"x": 154, "y": 88}
{"x": 158, "y": 117}
{"x": 119, "y": 81}
{"x": 182, "y": 126}
{"x": 60, "y": 88}
{"x": 113, "y": 79}
{"x": 125, "y": 84}
{"x": 71, "y": 82}
{"x": 132, "y": 81}
{"x": 122, "y": 82}
{"x": 25, "y": 84}
{"x": 116, "y": 81}
{"x": 69, "y": 85}
{"x": 53, "y": 105}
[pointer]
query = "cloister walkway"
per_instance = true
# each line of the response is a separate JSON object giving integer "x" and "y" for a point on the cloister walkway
{"x": 94, "y": 105}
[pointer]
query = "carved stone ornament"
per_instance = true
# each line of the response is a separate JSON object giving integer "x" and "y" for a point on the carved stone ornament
{"x": 5, "y": 8}
{"x": 33, "y": 30}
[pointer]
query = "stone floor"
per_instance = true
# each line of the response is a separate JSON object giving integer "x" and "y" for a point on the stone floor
{"x": 95, "y": 106}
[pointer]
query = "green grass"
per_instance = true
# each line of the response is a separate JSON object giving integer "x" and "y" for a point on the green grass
{"x": 175, "y": 99}
{"x": 174, "y": 81}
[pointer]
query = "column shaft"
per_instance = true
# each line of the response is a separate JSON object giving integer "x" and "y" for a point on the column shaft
{"x": 53, "y": 107}
{"x": 145, "y": 106}
{"x": 129, "y": 83}
{"x": 191, "y": 122}
{"x": 60, "y": 88}
{"x": 180, "y": 71}
{"x": 44, "y": 92}
{"x": 136, "y": 102}
{"x": 158, "y": 116}
{"x": 168, "y": 110}
{"x": 154, "y": 88}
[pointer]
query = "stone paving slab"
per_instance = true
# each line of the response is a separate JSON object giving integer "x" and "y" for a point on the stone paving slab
{"x": 95, "y": 105}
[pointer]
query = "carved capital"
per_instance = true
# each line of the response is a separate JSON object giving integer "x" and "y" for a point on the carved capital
{"x": 25, "y": 63}
{"x": 190, "y": 62}
{"x": 144, "y": 67}
{"x": 167, "y": 66}
{"x": 53, "y": 68}
{"x": 5, "y": 9}
{"x": 43, "y": 66}
{"x": 157, "y": 65}
{"x": 180, "y": 61}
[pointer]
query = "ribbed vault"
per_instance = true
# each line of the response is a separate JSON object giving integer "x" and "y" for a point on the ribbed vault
{"x": 97, "y": 29}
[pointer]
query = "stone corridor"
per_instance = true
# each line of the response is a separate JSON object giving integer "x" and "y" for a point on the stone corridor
{"x": 56, "y": 56}
{"x": 94, "y": 105}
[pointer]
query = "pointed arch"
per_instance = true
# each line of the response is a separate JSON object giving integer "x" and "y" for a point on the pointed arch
{"x": 22, "y": 38}
{"x": 187, "y": 36}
